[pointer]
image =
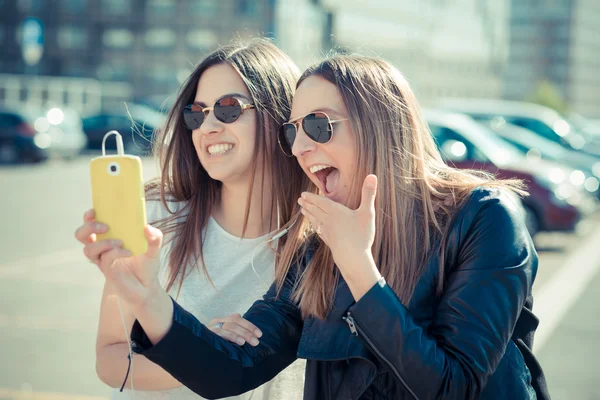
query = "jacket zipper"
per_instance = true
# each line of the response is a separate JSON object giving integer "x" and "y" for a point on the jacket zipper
{"x": 355, "y": 331}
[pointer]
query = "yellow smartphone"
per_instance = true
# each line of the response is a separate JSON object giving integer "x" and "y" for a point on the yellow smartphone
{"x": 119, "y": 200}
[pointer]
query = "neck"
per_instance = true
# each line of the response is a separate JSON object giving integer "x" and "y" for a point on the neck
{"x": 230, "y": 210}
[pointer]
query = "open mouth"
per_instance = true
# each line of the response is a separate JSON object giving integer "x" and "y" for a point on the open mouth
{"x": 328, "y": 176}
{"x": 219, "y": 149}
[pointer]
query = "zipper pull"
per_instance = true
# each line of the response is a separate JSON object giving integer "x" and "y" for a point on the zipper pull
{"x": 350, "y": 321}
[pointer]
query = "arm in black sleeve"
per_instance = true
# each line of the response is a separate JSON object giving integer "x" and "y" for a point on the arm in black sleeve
{"x": 214, "y": 367}
{"x": 491, "y": 276}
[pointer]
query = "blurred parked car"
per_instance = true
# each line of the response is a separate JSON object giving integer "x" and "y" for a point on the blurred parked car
{"x": 544, "y": 121}
{"x": 586, "y": 171}
{"x": 62, "y": 128}
{"x": 588, "y": 126}
{"x": 136, "y": 123}
{"x": 19, "y": 141}
{"x": 552, "y": 205}
{"x": 41, "y": 132}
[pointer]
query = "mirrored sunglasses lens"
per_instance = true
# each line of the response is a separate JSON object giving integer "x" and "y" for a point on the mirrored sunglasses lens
{"x": 316, "y": 126}
{"x": 228, "y": 110}
{"x": 192, "y": 119}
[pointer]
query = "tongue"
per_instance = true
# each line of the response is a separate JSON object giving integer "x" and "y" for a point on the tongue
{"x": 331, "y": 180}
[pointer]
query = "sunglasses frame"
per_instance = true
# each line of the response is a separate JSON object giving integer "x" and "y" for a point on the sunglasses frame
{"x": 300, "y": 120}
{"x": 207, "y": 110}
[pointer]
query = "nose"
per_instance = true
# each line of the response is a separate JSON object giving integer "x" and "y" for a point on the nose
{"x": 303, "y": 145}
{"x": 211, "y": 125}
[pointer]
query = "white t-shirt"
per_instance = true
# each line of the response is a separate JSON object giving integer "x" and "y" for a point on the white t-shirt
{"x": 236, "y": 287}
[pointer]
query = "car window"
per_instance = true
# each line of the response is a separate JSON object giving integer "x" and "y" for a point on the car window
{"x": 443, "y": 135}
{"x": 536, "y": 126}
{"x": 116, "y": 121}
{"x": 8, "y": 120}
{"x": 96, "y": 122}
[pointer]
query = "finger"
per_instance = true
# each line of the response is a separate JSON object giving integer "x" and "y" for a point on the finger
{"x": 244, "y": 323}
{"x": 320, "y": 201}
{"x": 108, "y": 258}
{"x": 85, "y": 233}
{"x": 369, "y": 192}
{"x": 89, "y": 215}
{"x": 154, "y": 237}
{"x": 313, "y": 209}
{"x": 313, "y": 221}
{"x": 228, "y": 335}
{"x": 93, "y": 250}
{"x": 240, "y": 331}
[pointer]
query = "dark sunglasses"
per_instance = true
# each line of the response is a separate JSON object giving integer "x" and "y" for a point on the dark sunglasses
{"x": 227, "y": 110}
{"x": 317, "y": 126}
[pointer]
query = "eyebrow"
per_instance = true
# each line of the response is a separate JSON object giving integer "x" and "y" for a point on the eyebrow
{"x": 239, "y": 95}
{"x": 326, "y": 110}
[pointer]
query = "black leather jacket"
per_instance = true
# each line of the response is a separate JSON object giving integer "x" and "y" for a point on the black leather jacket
{"x": 473, "y": 342}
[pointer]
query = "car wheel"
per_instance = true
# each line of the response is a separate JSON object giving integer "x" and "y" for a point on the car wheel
{"x": 8, "y": 154}
{"x": 532, "y": 221}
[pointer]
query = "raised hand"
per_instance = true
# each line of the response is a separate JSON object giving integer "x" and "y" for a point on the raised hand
{"x": 348, "y": 233}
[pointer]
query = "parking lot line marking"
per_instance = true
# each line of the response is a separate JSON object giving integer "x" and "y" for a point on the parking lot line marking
{"x": 26, "y": 265}
{"x": 565, "y": 286}
{"x": 11, "y": 394}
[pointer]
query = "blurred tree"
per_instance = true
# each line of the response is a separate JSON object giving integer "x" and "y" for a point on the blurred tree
{"x": 547, "y": 94}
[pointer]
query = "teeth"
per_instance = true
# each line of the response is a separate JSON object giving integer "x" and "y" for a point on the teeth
{"x": 219, "y": 148}
{"x": 316, "y": 168}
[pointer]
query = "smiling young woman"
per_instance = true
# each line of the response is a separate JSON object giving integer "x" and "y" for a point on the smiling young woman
{"x": 224, "y": 187}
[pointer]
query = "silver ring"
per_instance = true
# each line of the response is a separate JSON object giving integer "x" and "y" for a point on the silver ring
{"x": 219, "y": 325}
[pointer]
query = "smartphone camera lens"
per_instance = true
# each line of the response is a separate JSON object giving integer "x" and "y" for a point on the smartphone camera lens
{"x": 113, "y": 169}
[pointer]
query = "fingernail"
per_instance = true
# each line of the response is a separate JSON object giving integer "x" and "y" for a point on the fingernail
{"x": 258, "y": 333}
{"x": 240, "y": 342}
{"x": 101, "y": 227}
{"x": 127, "y": 253}
{"x": 300, "y": 201}
{"x": 116, "y": 243}
{"x": 254, "y": 342}
{"x": 303, "y": 195}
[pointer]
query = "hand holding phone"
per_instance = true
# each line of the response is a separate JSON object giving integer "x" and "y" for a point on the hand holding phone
{"x": 118, "y": 197}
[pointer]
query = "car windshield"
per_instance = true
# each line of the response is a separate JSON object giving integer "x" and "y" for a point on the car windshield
{"x": 497, "y": 150}
{"x": 526, "y": 139}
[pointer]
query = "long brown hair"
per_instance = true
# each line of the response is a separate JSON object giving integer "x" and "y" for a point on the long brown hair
{"x": 270, "y": 77}
{"x": 417, "y": 192}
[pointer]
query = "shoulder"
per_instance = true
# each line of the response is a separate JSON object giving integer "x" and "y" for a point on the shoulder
{"x": 494, "y": 205}
{"x": 488, "y": 229}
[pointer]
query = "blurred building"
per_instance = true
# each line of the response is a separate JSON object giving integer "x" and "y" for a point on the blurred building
{"x": 444, "y": 48}
{"x": 303, "y": 30}
{"x": 150, "y": 46}
{"x": 557, "y": 41}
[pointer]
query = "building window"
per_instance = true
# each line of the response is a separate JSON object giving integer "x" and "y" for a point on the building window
{"x": 114, "y": 71}
{"x": 30, "y": 5}
{"x": 201, "y": 39}
{"x": 161, "y": 9}
{"x": 117, "y": 38}
{"x": 248, "y": 8}
{"x": 116, "y": 7}
{"x": 74, "y": 6}
{"x": 204, "y": 8}
{"x": 75, "y": 69}
{"x": 72, "y": 37}
{"x": 160, "y": 38}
